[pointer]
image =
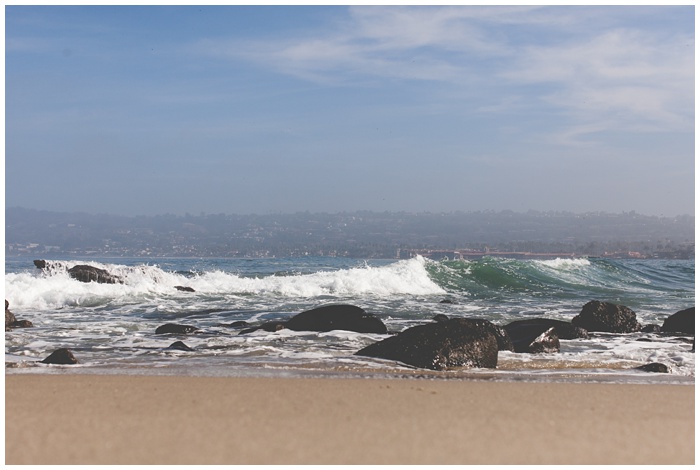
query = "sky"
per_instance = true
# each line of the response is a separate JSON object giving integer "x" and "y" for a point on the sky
{"x": 134, "y": 110}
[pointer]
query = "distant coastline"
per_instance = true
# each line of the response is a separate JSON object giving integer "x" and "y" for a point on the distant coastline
{"x": 362, "y": 234}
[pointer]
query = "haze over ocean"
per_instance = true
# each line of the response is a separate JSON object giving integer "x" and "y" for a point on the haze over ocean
{"x": 138, "y": 110}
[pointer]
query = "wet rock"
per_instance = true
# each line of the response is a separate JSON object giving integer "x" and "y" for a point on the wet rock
{"x": 85, "y": 273}
{"x": 504, "y": 341}
{"x": 173, "y": 328}
{"x": 61, "y": 356}
{"x": 532, "y": 337}
{"x": 651, "y": 329}
{"x": 184, "y": 288}
{"x": 9, "y": 316}
{"x": 236, "y": 324}
{"x": 607, "y": 317}
{"x": 563, "y": 329}
{"x": 654, "y": 367}
{"x": 270, "y": 326}
{"x": 328, "y": 318}
{"x": 40, "y": 263}
{"x": 179, "y": 345}
{"x": 459, "y": 342}
{"x": 337, "y": 317}
{"x": 680, "y": 322}
{"x": 12, "y": 322}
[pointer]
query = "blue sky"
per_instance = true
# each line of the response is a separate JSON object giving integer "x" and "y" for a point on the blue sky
{"x": 151, "y": 110}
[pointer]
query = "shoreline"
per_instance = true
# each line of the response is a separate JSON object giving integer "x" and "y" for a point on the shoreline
{"x": 70, "y": 418}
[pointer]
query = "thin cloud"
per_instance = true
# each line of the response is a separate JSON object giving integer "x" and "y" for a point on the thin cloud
{"x": 644, "y": 78}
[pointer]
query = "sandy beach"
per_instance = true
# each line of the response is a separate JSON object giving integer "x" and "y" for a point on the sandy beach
{"x": 103, "y": 419}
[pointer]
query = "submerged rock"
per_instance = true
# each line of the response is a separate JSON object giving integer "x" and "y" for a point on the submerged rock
{"x": 680, "y": 322}
{"x": 9, "y": 316}
{"x": 179, "y": 345}
{"x": 607, "y": 317}
{"x": 85, "y": 273}
{"x": 81, "y": 272}
{"x": 563, "y": 329}
{"x": 61, "y": 356}
{"x": 173, "y": 328}
{"x": 533, "y": 337}
{"x": 270, "y": 326}
{"x": 184, "y": 288}
{"x": 459, "y": 342}
{"x": 12, "y": 322}
{"x": 651, "y": 328}
{"x": 654, "y": 367}
{"x": 328, "y": 318}
{"x": 337, "y": 317}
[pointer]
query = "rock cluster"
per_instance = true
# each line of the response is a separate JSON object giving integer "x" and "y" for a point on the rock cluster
{"x": 12, "y": 322}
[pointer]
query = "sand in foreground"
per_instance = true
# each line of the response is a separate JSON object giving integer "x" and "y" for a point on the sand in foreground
{"x": 91, "y": 419}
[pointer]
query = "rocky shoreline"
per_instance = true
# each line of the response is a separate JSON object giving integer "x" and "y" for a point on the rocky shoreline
{"x": 442, "y": 344}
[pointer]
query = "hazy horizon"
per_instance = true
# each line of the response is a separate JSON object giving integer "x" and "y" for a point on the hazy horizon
{"x": 292, "y": 213}
{"x": 134, "y": 110}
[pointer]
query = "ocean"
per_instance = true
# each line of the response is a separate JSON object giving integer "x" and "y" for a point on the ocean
{"x": 110, "y": 328}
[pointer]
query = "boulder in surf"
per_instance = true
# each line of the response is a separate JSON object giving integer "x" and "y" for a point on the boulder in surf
{"x": 680, "y": 322}
{"x": 502, "y": 337}
{"x": 607, "y": 317}
{"x": 656, "y": 367}
{"x": 533, "y": 337}
{"x": 62, "y": 356}
{"x": 180, "y": 346}
{"x": 12, "y": 322}
{"x": 174, "y": 328}
{"x": 563, "y": 329}
{"x": 337, "y": 317}
{"x": 454, "y": 343}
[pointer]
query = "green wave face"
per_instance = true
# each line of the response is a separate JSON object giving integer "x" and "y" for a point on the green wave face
{"x": 576, "y": 279}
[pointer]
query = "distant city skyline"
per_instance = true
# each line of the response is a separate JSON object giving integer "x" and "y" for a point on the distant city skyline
{"x": 135, "y": 110}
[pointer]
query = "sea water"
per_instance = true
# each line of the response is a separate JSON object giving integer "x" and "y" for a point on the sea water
{"x": 111, "y": 327}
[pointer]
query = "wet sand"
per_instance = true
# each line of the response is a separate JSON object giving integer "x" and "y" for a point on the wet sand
{"x": 111, "y": 419}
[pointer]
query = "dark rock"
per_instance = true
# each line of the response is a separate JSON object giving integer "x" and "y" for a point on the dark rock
{"x": 179, "y": 345}
{"x": 504, "y": 341}
{"x": 459, "y": 342}
{"x": 607, "y": 317}
{"x": 270, "y": 326}
{"x": 680, "y": 322}
{"x": 174, "y": 328}
{"x": 654, "y": 367}
{"x": 236, "y": 324}
{"x": 61, "y": 356}
{"x": 563, "y": 329}
{"x": 184, "y": 289}
{"x": 532, "y": 337}
{"x": 502, "y": 337}
{"x": 85, "y": 273}
{"x": 447, "y": 301}
{"x": 9, "y": 316}
{"x": 337, "y": 317}
{"x": 40, "y": 263}
{"x": 651, "y": 329}
{"x": 12, "y": 322}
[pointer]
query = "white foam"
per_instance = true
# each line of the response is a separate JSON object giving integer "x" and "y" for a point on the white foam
{"x": 54, "y": 288}
{"x": 564, "y": 263}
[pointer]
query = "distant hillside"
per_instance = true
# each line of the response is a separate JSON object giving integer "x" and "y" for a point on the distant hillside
{"x": 357, "y": 234}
